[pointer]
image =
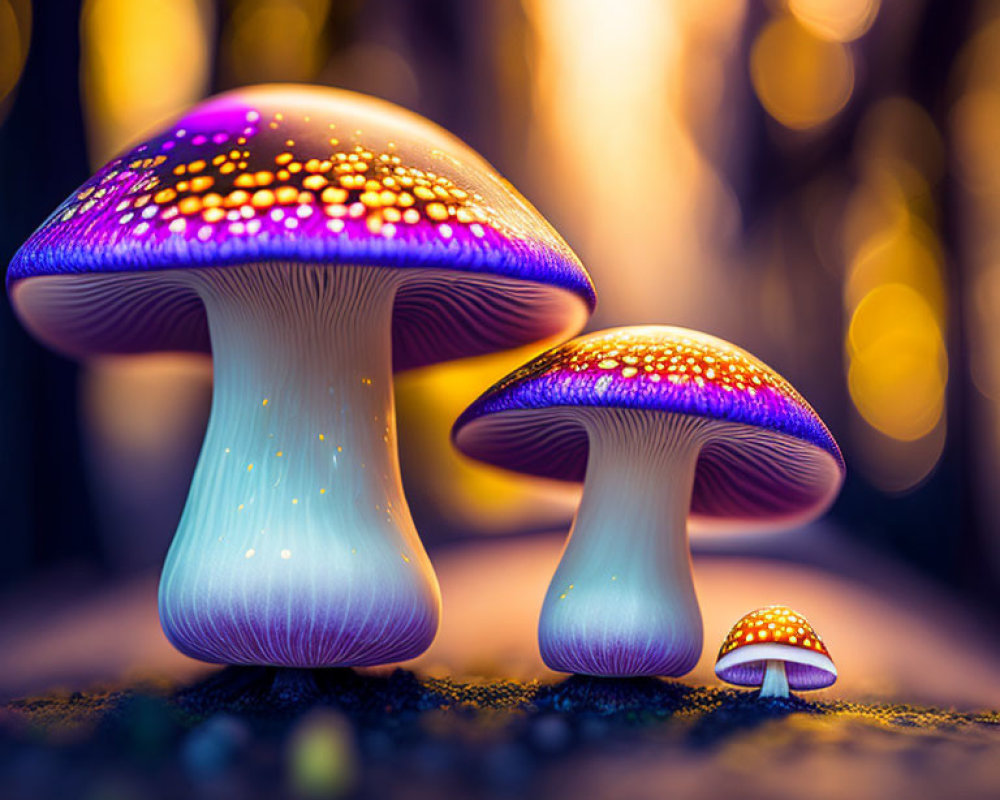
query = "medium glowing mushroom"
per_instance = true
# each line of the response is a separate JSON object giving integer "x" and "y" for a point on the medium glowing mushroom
{"x": 313, "y": 239}
{"x": 776, "y": 649}
{"x": 658, "y": 422}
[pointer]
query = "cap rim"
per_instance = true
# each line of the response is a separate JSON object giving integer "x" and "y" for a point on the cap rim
{"x": 761, "y": 652}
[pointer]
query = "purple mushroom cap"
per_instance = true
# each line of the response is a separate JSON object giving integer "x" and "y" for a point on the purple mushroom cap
{"x": 291, "y": 174}
{"x": 775, "y": 461}
{"x": 313, "y": 240}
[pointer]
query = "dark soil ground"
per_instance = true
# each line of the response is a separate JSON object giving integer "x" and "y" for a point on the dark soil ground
{"x": 255, "y": 732}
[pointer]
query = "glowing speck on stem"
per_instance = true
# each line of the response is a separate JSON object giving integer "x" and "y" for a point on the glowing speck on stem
{"x": 240, "y": 507}
{"x": 249, "y": 467}
{"x": 279, "y": 453}
{"x": 250, "y": 553}
{"x": 286, "y": 554}
{"x": 295, "y": 501}
{"x": 322, "y": 491}
{"x": 322, "y": 437}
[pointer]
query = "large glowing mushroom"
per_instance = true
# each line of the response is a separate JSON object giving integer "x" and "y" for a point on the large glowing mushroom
{"x": 658, "y": 422}
{"x": 775, "y": 648}
{"x": 313, "y": 239}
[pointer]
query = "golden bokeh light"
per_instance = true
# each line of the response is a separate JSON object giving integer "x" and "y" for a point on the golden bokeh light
{"x": 15, "y": 36}
{"x": 975, "y": 122}
{"x": 898, "y": 362}
{"x": 801, "y": 80}
{"x": 140, "y": 64}
{"x": 898, "y": 135}
{"x": 468, "y": 495}
{"x": 905, "y": 252}
{"x": 880, "y": 203}
{"x": 975, "y": 115}
{"x": 274, "y": 40}
{"x": 621, "y": 87}
{"x": 896, "y": 297}
{"x": 838, "y": 20}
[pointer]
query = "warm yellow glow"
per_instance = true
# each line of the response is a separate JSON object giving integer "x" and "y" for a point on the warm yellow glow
{"x": 141, "y": 62}
{"x": 898, "y": 136}
{"x": 898, "y": 363}
{"x": 15, "y": 35}
{"x": 896, "y": 297}
{"x": 839, "y": 20}
{"x": 618, "y": 90}
{"x": 976, "y": 127}
{"x": 905, "y": 252}
{"x": 469, "y": 495}
{"x": 878, "y": 204}
{"x": 801, "y": 80}
{"x": 274, "y": 40}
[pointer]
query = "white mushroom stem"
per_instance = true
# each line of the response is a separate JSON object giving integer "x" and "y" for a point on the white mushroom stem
{"x": 775, "y": 682}
{"x": 296, "y": 546}
{"x": 622, "y": 601}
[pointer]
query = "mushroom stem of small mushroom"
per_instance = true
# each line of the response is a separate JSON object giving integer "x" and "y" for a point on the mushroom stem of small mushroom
{"x": 296, "y": 546}
{"x": 622, "y": 601}
{"x": 775, "y": 682}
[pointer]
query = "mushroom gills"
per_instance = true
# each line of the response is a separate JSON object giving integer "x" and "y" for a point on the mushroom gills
{"x": 296, "y": 546}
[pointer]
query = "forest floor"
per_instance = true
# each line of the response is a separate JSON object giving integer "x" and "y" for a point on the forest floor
{"x": 256, "y": 732}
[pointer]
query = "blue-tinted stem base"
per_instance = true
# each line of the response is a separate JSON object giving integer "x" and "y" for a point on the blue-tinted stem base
{"x": 622, "y": 601}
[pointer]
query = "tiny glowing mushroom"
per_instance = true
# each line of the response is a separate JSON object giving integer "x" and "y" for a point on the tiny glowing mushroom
{"x": 776, "y": 649}
{"x": 658, "y": 422}
{"x": 313, "y": 239}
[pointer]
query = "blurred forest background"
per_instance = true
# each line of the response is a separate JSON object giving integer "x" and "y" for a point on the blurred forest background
{"x": 816, "y": 180}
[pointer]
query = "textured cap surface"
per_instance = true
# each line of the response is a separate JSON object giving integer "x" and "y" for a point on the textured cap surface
{"x": 775, "y": 633}
{"x": 290, "y": 174}
{"x": 777, "y": 459}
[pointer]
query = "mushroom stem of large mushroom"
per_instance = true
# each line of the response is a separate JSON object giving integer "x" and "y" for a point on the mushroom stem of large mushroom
{"x": 775, "y": 682}
{"x": 622, "y": 601}
{"x": 296, "y": 546}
